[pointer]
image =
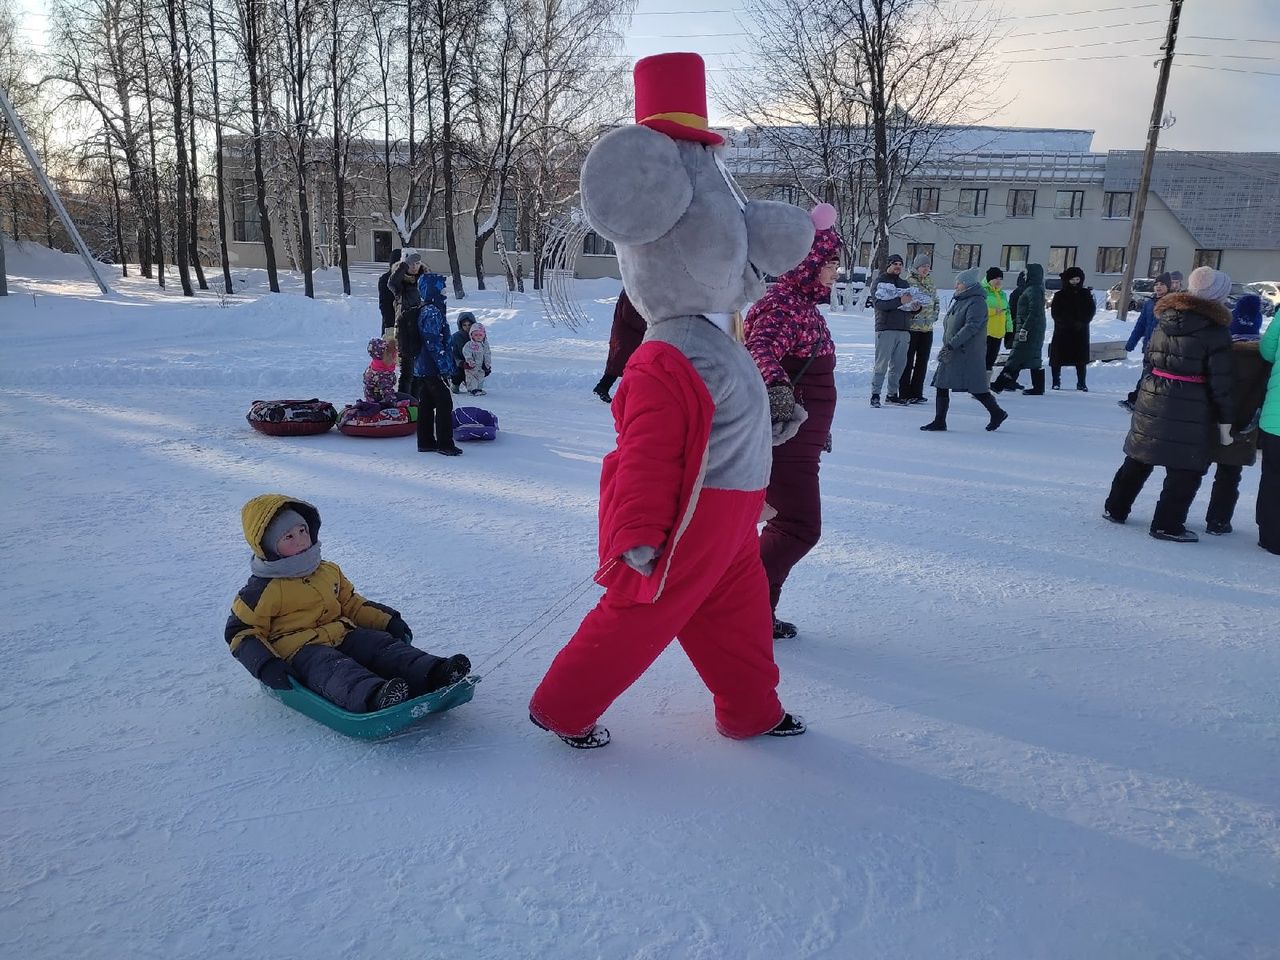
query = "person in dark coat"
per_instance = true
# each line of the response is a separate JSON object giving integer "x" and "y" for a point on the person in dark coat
{"x": 1185, "y": 402}
{"x": 387, "y": 299}
{"x": 962, "y": 361}
{"x": 792, "y": 346}
{"x": 1072, "y": 309}
{"x": 1018, "y": 287}
{"x": 1251, "y": 375}
{"x": 403, "y": 284}
{"x": 466, "y": 320}
{"x": 624, "y": 339}
{"x": 1029, "y": 324}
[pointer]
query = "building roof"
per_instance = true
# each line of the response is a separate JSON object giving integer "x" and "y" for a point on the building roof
{"x": 1222, "y": 199}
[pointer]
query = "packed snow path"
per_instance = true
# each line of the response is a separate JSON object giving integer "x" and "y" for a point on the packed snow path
{"x": 1032, "y": 733}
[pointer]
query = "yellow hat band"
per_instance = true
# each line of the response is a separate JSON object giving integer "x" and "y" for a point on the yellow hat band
{"x": 687, "y": 119}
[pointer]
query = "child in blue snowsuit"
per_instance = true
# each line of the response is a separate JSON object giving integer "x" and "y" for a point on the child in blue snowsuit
{"x": 433, "y": 370}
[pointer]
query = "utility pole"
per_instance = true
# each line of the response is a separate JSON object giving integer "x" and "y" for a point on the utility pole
{"x": 51, "y": 194}
{"x": 1148, "y": 160}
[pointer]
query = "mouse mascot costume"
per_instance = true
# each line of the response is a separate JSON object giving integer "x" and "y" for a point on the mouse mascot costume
{"x": 681, "y": 495}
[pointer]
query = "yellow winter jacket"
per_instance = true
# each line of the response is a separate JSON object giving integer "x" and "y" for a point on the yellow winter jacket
{"x": 999, "y": 322}
{"x": 284, "y": 614}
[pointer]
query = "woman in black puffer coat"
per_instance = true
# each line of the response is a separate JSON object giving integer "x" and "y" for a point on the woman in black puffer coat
{"x": 1184, "y": 404}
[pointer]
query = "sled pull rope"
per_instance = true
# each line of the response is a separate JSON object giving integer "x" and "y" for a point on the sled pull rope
{"x": 551, "y": 614}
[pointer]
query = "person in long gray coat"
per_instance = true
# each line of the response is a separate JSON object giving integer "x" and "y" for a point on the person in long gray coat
{"x": 962, "y": 361}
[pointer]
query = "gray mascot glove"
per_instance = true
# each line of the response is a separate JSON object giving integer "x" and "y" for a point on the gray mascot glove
{"x": 643, "y": 560}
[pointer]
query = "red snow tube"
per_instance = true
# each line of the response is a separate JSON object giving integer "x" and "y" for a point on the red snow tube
{"x": 291, "y": 418}
{"x": 398, "y": 421}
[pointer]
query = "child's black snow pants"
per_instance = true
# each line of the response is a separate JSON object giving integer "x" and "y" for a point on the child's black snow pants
{"x": 350, "y": 673}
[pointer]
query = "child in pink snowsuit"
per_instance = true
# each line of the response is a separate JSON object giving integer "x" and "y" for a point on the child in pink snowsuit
{"x": 476, "y": 360}
{"x": 380, "y": 376}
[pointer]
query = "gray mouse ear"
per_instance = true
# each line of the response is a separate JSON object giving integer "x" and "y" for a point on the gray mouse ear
{"x": 779, "y": 235}
{"x": 634, "y": 186}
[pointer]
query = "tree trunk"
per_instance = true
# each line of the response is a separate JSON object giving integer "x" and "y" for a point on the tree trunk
{"x": 339, "y": 170}
{"x": 180, "y": 148}
{"x": 157, "y": 224}
{"x": 193, "y": 186}
{"x": 217, "y": 145}
{"x": 252, "y": 52}
{"x": 117, "y": 211}
{"x": 298, "y": 69}
{"x": 446, "y": 145}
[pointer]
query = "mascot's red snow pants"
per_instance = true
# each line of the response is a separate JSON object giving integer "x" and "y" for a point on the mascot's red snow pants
{"x": 715, "y": 600}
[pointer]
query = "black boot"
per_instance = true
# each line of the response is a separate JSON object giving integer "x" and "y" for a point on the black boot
{"x": 1004, "y": 382}
{"x": 1080, "y": 378}
{"x": 601, "y": 389}
{"x": 788, "y": 726}
{"x": 389, "y": 694}
{"x": 783, "y": 630}
{"x": 597, "y": 736}
{"x": 448, "y": 672}
{"x": 1037, "y": 384}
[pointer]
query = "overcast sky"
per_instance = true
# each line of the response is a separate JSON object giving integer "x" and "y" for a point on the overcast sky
{"x": 1215, "y": 107}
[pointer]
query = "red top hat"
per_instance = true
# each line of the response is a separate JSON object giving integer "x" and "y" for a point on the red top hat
{"x": 671, "y": 96}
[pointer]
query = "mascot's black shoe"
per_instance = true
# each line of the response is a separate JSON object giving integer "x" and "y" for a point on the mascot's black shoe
{"x": 788, "y": 726}
{"x": 597, "y": 737}
{"x": 783, "y": 630}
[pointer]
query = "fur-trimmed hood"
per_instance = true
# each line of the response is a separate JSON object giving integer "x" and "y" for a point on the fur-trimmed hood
{"x": 1184, "y": 303}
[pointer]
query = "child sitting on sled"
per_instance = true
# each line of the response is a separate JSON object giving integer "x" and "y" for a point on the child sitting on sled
{"x": 476, "y": 360}
{"x": 381, "y": 374}
{"x": 298, "y": 616}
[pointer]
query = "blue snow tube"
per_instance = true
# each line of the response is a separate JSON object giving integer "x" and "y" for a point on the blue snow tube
{"x": 474, "y": 423}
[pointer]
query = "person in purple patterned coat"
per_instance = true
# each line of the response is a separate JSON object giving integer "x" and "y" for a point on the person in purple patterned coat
{"x": 789, "y": 340}
{"x": 381, "y": 375}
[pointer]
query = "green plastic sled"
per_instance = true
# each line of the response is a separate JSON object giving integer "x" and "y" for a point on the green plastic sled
{"x": 379, "y": 723}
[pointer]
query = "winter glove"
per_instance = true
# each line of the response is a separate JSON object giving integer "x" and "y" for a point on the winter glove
{"x": 643, "y": 560}
{"x": 944, "y": 355}
{"x": 399, "y": 629}
{"x": 1021, "y": 335}
{"x": 826, "y": 446}
{"x": 1224, "y": 434}
{"x": 487, "y": 370}
{"x": 782, "y": 402}
{"x": 275, "y": 674}
{"x": 786, "y": 429}
{"x": 1008, "y": 341}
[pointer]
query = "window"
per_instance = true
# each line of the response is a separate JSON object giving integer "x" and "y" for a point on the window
{"x": 1110, "y": 259}
{"x": 925, "y": 200}
{"x": 429, "y": 237}
{"x": 966, "y": 256}
{"x": 1117, "y": 206}
{"x": 973, "y": 203}
{"x": 1070, "y": 205}
{"x": 245, "y": 225}
{"x": 915, "y": 249}
{"x": 1207, "y": 258}
{"x": 1014, "y": 257}
{"x": 1022, "y": 203}
{"x": 508, "y": 227}
{"x": 1060, "y": 258}
{"x": 382, "y": 246}
{"x": 864, "y": 253}
{"x": 594, "y": 245}
{"x": 1155, "y": 266}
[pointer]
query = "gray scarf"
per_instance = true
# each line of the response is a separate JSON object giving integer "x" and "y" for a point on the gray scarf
{"x": 300, "y": 565}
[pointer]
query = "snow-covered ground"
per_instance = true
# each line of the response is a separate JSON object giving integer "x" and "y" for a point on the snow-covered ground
{"x": 1032, "y": 733}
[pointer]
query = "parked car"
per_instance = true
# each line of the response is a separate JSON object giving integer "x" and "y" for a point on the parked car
{"x": 1051, "y": 286}
{"x": 1269, "y": 291}
{"x": 1141, "y": 291}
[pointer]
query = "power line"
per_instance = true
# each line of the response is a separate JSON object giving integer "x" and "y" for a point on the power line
{"x": 1205, "y": 66}
{"x": 1079, "y": 29}
{"x": 1078, "y": 46}
{"x": 1237, "y": 39}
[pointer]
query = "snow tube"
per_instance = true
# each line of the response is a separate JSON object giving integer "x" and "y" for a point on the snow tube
{"x": 291, "y": 418}
{"x": 473, "y": 423}
{"x": 366, "y": 420}
{"x": 379, "y": 723}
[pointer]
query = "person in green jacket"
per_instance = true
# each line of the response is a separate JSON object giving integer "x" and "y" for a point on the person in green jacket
{"x": 1268, "y": 512}
{"x": 1028, "y": 346}
{"x": 999, "y": 322}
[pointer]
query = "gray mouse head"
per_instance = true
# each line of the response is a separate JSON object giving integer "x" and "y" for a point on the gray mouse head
{"x": 688, "y": 242}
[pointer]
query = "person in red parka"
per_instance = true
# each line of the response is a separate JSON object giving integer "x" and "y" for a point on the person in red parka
{"x": 624, "y": 339}
{"x": 790, "y": 342}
